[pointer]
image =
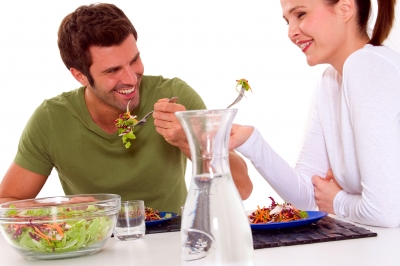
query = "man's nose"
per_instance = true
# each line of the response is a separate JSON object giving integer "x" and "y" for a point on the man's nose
{"x": 130, "y": 76}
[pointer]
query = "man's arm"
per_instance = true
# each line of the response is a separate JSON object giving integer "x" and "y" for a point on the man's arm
{"x": 171, "y": 129}
{"x": 240, "y": 175}
{"x": 19, "y": 183}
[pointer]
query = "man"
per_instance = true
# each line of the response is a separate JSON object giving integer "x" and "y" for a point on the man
{"x": 75, "y": 131}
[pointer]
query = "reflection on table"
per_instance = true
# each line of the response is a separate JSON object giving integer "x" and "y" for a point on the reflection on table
{"x": 164, "y": 248}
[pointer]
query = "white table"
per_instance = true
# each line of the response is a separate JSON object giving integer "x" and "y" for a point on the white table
{"x": 164, "y": 249}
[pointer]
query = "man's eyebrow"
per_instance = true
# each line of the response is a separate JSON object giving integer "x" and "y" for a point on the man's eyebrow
{"x": 110, "y": 69}
{"x": 293, "y": 9}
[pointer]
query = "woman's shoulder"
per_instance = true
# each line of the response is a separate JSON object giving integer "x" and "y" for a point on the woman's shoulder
{"x": 372, "y": 57}
{"x": 382, "y": 51}
{"x": 372, "y": 70}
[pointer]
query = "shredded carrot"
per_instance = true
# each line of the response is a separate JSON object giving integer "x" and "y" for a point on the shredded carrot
{"x": 59, "y": 230}
{"x": 40, "y": 234}
{"x": 262, "y": 215}
{"x": 57, "y": 227}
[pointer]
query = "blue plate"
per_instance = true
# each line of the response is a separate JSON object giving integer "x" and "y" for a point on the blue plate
{"x": 313, "y": 216}
{"x": 163, "y": 220}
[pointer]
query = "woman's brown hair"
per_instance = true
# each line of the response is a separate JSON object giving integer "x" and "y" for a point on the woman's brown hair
{"x": 95, "y": 24}
{"x": 384, "y": 20}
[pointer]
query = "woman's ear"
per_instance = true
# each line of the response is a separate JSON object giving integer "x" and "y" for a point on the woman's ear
{"x": 79, "y": 76}
{"x": 347, "y": 9}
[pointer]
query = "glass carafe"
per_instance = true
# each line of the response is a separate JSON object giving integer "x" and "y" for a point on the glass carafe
{"x": 215, "y": 229}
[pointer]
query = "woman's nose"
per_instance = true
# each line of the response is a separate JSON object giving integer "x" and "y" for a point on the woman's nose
{"x": 293, "y": 32}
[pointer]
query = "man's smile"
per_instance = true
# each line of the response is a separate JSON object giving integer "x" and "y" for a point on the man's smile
{"x": 126, "y": 91}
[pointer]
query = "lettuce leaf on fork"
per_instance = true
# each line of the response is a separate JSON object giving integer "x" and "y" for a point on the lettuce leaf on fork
{"x": 125, "y": 124}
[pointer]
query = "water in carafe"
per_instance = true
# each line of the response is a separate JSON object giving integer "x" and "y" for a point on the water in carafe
{"x": 215, "y": 229}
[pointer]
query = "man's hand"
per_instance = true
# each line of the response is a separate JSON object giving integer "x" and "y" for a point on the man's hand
{"x": 168, "y": 125}
{"x": 75, "y": 200}
{"x": 325, "y": 190}
{"x": 239, "y": 135}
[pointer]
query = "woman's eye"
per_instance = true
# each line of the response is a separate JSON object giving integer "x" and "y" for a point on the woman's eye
{"x": 301, "y": 14}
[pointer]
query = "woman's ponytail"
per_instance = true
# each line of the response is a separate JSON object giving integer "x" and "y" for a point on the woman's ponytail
{"x": 384, "y": 21}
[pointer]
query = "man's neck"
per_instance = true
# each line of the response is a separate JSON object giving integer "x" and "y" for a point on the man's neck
{"x": 102, "y": 114}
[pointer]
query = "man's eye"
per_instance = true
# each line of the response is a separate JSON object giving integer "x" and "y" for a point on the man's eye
{"x": 135, "y": 59}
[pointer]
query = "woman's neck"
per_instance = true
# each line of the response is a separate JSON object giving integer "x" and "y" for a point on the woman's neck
{"x": 347, "y": 49}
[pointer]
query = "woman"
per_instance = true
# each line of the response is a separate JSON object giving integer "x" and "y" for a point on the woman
{"x": 350, "y": 161}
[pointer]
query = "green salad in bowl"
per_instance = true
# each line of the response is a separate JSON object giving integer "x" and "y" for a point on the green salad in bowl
{"x": 59, "y": 227}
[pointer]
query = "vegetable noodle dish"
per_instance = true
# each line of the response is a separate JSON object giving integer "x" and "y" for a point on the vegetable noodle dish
{"x": 154, "y": 215}
{"x": 276, "y": 213}
{"x": 70, "y": 234}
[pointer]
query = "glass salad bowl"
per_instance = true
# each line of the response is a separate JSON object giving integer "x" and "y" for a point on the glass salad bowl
{"x": 59, "y": 227}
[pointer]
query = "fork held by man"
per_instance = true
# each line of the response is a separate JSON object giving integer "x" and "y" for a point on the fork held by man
{"x": 143, "y": 120}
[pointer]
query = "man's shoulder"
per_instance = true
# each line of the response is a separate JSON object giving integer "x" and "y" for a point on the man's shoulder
{"x": 156, "y": 87}
{"x": 158, "y": 81}
{"x": 67, "y": 95}
{"x": 65, "y": 98}
{"x": 68, "y": 101}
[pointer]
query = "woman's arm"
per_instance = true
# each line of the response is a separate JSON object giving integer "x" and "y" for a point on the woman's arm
{"x": 292, "y": 184}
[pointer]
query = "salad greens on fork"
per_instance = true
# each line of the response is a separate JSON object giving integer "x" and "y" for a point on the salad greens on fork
{"x": 126, "y": 123}
{"x": 244, "y": 86}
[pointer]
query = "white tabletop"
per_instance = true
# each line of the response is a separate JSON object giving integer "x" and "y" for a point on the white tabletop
{"x": 164, "y": 249}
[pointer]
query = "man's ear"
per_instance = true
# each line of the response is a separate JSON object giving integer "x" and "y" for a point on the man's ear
{"x": 79, "y": 76}
{"x": 347, "y": 9}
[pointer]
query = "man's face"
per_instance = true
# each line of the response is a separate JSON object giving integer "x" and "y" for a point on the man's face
{"x": 117, "y": 71}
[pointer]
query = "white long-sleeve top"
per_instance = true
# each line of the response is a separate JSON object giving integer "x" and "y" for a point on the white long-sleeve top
{"x": 355, "y": 130}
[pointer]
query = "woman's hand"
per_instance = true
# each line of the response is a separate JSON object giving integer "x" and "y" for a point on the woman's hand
{"x": 325, "y": 190}
{"x": 239, "y": 135}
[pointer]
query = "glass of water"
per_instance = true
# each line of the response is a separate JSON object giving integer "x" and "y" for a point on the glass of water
{"x": 131, "y": 223}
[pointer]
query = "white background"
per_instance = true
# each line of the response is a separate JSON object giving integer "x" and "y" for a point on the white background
{"x": 208, "y": 43}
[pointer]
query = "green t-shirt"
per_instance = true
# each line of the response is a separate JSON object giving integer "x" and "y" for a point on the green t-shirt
{"x": 62, "y": 134}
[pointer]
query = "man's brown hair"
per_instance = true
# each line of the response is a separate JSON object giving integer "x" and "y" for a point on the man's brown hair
{"x": 91, "y": 25}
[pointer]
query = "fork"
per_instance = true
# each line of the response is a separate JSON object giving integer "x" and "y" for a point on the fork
{"x": 239, "y": 98}
{"x": 143, "y": 120}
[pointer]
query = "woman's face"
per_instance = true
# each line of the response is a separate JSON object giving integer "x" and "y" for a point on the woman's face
{"x": 316, "y": 28}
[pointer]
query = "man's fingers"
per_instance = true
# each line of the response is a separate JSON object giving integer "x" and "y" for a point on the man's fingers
{"x": 82, "y": 199}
